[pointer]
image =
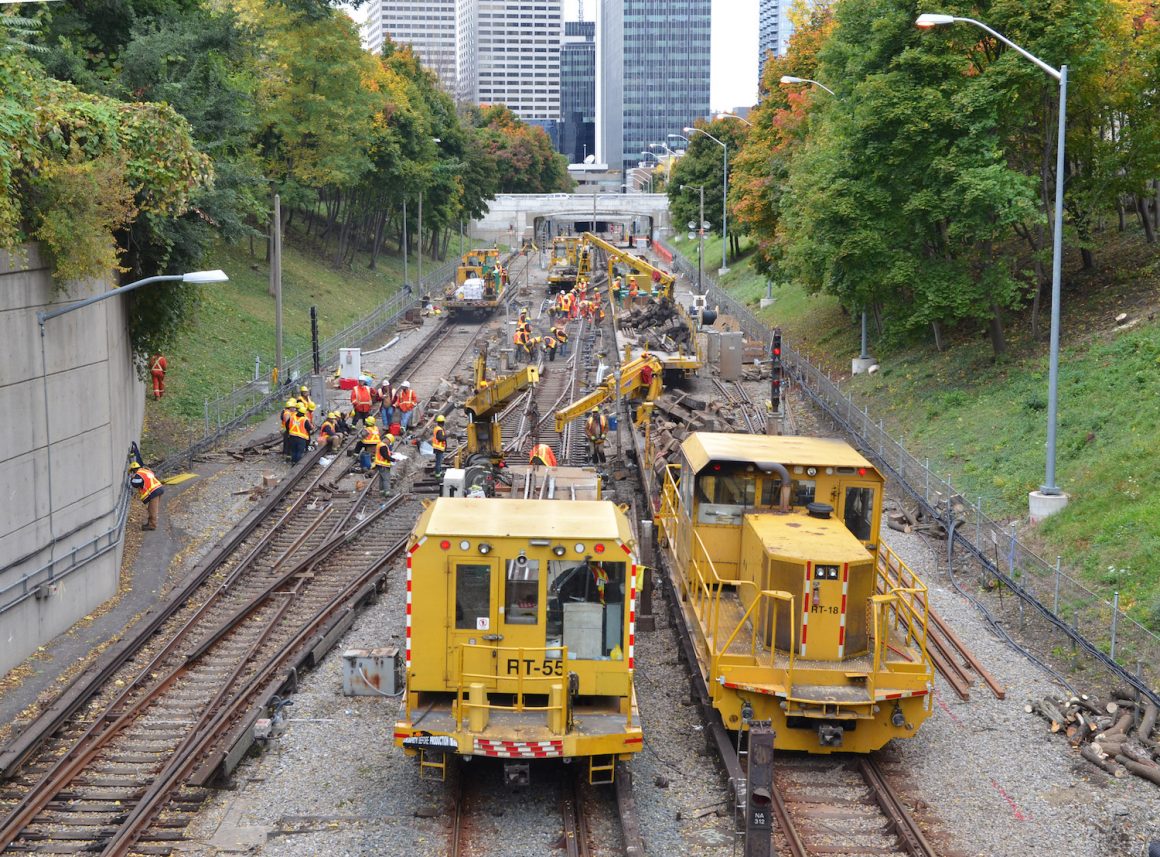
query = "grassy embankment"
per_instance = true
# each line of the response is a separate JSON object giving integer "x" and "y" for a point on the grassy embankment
{"x": 236, "y": 322}
{"x": 983, "y": 422}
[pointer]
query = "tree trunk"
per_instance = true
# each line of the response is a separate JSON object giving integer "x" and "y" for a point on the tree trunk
{"x": 998, "y": 340}
{"x": 1120, "y": 212}
{"x": 938, "y": 343}
{"x": 1145, "y": 220}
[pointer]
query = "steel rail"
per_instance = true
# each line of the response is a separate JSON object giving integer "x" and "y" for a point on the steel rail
{"x": 180, "y": 767}
{"x": 901, "y": 823}
{"x": 574, "y": 817}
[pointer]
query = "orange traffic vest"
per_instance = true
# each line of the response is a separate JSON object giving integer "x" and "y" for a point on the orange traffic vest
{"x": 298, "y": 426}
{"x": 542, "y": 452}
{"x": 327, "y": 429}
{"x": 596, "y": 428}
{"x": 561, "y": 333}
{"x": 150, "y": 484}
{"x": 520, "y": 337}
{"x": 406, "y": 399}
{"x": 360, "y": 397}
{"x": 632, "y": 290}
{"x": 370, "y": 436}
{"x": 550, "y": 343}
{"x": 566, "y": 302}
{"x": 286, "y": 414}
{"x": 439, "y": 438}
{"x": 383, "y": 453}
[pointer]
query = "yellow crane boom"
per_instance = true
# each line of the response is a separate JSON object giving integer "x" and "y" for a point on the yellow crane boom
{"x": 490, "y": 398}
{"x": 622, "y": 256}
{"x": 635, "y": 383}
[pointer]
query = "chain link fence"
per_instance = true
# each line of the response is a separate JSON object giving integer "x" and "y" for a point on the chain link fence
{"x": 233, "y": 410}
{"x": 1064, "y": 625}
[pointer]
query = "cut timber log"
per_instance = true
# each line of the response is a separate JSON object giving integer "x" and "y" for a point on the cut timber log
{"x": 1047, "y": 709}
{"x": 1152, "y": 774}
{"x": 1148, "y": 720}
{"x": 1093, "y": 755}
{"x": 896, "y": 522}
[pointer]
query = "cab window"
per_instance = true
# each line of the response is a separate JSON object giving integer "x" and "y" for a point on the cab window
{"x": 472, "y": 597}
{"x": 723, "y": 498}
{"x": 804, "y": 491}
{"x": 770, "y": 492}
{"x": 859, "y": 512}
{"x": 522, "y": 591}
{"x": 586, "y": 604}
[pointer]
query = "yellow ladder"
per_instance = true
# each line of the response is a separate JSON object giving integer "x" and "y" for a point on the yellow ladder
{"x": 432, "y": 766}
{"x": 601, "y": 770}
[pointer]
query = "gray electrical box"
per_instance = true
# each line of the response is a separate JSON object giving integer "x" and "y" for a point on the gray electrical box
{"x": 732, "y": 353}
{"x": 370, "y": 672}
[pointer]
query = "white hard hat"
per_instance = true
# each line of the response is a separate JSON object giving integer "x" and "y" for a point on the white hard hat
{"x": 406, "y": 383}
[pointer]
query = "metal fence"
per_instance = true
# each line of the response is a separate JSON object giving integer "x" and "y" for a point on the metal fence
{"x": 233, "y": 410}
{"x": 1060, "y": 621}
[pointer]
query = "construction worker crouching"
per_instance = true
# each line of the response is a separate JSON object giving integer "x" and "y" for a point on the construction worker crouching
{"x": 560, "y": 331}
{"x": 439, "y": 444}
{"x": 299, "y": 428}
{"x": 368, "y": 441}
{"x": 541, "y": 453}
{"x": 596, "y": 430}
{"x": 550, "y": 347}
{"x": 328, "y": 433}
{"x": 149, "y": 489}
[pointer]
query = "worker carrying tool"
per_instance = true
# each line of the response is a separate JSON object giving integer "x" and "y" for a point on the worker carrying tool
{"x": 157, "y": 367}
{"x": 149, "y": 489}
{"x": 361, "y": 400}
{"x": 542, "y": 454}
{"x": 439, "y": 444}
{"x": 405, "y": 403}
{"x": 596, "y": 430}
{"x": 368, "y": 441}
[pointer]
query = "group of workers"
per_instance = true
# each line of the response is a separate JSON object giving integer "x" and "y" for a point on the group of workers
{"x": 529, "y": 346}
{"x": 390, "y": 404}
{"x": 578, "y": 303}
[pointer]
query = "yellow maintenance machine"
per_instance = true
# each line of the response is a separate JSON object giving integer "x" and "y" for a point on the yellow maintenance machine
{"x": 639, "y": 378}
{"x": 484, "y": 433}
{"x": 622, "y": 257}
{"x": 520, "y": 636}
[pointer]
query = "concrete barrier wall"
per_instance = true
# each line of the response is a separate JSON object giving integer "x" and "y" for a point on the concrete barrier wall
{"x": 61, "y": 464}
{"x": 511, "y": 215}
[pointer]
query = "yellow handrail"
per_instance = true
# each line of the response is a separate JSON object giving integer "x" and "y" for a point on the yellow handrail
{"x": 464, "y": 678}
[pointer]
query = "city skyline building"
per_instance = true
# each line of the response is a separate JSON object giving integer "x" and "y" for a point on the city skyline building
{"x": 578, "y": 91}
{"x": 653, "y": 69}
{"x": 774, "y": 29}
{"x": 508, "y": 52}
{"x": 428, "y": 26}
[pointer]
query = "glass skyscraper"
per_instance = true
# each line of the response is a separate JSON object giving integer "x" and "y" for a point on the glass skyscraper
{"x": 578, "y": 91}
{"x": 774, "y": 30}
{"x": 653, "y": 68}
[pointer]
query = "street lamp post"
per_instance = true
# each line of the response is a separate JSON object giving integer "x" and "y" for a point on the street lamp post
{"x": 1049, "y": 499}
{"x": 43, "y": 316}
{"x": 724, "y": 198}
{"x": 863, "y": 362}
{"x": 734, "y": 116}
{"x": 701, "y": 233}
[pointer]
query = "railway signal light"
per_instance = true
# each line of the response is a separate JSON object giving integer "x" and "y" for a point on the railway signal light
{"x": 775, "y": 371}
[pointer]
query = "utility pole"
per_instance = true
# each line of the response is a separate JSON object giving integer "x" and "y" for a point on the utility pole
{"x": 406, "y": 278}
{"x": 420, "y": 246}
{"x": 276, "y": 285}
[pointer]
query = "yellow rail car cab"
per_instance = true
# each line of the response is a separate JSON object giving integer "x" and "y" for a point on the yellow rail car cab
{"x": 797, "y": 614}
{"x": 520, "y": 634}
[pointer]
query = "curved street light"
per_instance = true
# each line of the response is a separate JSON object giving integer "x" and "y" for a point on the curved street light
{"x": 734, "y": 116}
{"x": 724, "y": 197}
{"x": 1049, "y": 488}
{"x": 787, "y": 78}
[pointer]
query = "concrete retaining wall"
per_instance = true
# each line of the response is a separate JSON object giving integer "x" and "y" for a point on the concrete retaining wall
{"x": 94, "y": 410}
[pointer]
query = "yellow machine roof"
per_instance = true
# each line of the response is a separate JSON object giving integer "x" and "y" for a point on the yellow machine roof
{"x": 796, "y": 537}
{"x": 702, "y": 447}
{"x": 547, "y": 519}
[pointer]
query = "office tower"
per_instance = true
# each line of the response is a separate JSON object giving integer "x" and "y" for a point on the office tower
{"x": 508, "y": 52}
{"x": 652, "y": 73}
{"x": 369, "y": 19}
{"x": 428, "y": 26}
{"x": 774, "y": 30}
{"x": 578, "y": 91}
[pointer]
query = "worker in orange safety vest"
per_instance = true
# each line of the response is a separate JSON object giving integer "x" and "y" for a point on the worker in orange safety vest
{"x": 560, "y": 331}
{"x": 405, "y": 403}
{"x": 541, "y": 453}
{"x": 382, "y": 462}
{"x": 157, "y": 367}
{"x": 361, "y": 400}
{"x": 596, "y": 430}
{"x": 368, "y": 442}
{"x": 284, "y": 420}
{"x": 439, "y": 444}
{"x": 149, "y": 489}
{"x": 299, "y": 428}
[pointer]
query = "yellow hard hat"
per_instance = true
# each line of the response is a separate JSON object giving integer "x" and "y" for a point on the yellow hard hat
{"x": 370, "y": 421}
{"x": 440, "y": 419}
{"x": 291, "y": 402}
{"x": 304, "y": 389}
{"x": 134, "y": 465}
{"x": 333, "y": 415}
{"x": 301, "y": 408}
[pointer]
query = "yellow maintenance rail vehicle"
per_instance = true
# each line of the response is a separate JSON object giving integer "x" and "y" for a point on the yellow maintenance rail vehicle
{"x": 484, "y": 433}
{"x": 520, "y": 632}
{"x": 562, "y": 270}
{"x": 797, "y": 614}
{"x": 480, "y": 282}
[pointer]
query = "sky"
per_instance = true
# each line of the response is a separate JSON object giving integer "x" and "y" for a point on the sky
{"x": 733, "y": 78}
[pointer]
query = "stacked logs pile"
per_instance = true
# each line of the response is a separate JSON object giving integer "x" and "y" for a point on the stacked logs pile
{"x": 1115, "y": 736}
{"x": 657, "y": 324}
{"x": 905, "y": 520}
